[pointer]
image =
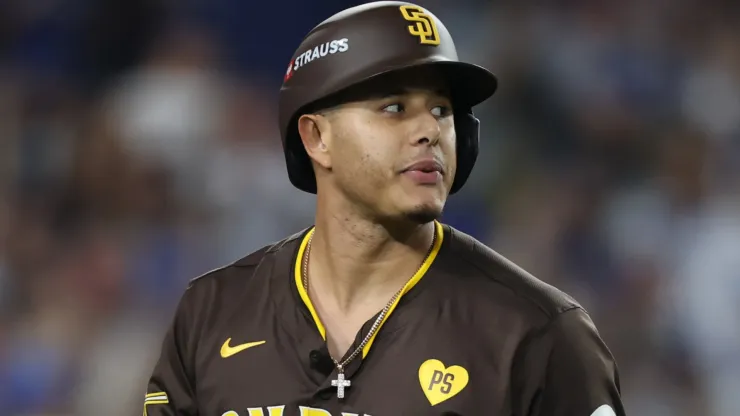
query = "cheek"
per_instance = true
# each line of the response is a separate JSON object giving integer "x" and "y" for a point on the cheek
{"x": 449, "y": 147}
{"x": 362, "y": 160}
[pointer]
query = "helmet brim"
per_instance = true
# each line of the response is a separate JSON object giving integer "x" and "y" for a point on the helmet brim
{"x": 468, "y": 84}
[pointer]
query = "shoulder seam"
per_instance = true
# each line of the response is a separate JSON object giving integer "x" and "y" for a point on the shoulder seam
{"x": 538, "y": 332}
{"x": 506, "y": 265}
{"x": 251, "y": 260}
{"x": 208, "y": 273}
{"x": 274, "y": 247}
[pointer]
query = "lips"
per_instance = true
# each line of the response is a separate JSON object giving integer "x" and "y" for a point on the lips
{"x": 425, "y": 172}
{"x": 425, "y": 166}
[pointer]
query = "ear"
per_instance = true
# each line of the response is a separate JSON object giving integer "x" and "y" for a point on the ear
{"x": 315, "y": 132}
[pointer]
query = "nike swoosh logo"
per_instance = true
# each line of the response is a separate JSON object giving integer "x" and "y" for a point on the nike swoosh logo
{"x": 227, "y": 351}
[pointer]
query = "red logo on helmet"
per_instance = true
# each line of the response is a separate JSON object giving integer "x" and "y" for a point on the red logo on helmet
{"x": 289, "y": 72}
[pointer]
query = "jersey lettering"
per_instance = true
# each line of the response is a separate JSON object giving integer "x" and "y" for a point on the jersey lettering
{"x": 271, "y": 411}
{"x": 279, "y": 410}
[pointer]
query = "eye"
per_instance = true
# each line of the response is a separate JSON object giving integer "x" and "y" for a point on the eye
{"x": 441, "y": 111}
{"x": 393, "y": 108}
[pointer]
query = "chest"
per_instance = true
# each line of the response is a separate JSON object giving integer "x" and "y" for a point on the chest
{"x": 407, "y": 371}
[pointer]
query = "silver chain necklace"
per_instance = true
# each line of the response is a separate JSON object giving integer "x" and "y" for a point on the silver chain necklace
{"x": 341, "y": 382}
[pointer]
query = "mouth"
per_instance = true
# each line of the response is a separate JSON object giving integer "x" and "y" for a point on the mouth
{"x": 425, "y": 172}
{"x": 425, "y": 166}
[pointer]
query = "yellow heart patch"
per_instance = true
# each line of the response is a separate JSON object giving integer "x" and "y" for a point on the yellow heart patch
{"x": 440, "y": 383}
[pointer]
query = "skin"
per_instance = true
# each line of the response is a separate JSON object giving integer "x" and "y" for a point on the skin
{"x": 373, "y": 222}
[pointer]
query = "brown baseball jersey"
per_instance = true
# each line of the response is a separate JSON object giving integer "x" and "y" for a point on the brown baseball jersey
{"x": 471, "y": 334}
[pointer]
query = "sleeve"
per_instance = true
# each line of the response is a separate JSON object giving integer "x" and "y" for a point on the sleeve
{"x": 567, "y": 370}
{"x": 170, "y": 390}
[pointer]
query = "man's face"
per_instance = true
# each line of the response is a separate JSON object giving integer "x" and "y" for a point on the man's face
{"x": 393, "y": 153}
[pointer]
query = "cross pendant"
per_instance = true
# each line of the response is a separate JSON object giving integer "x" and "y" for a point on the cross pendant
{"x": 340, "y": 383}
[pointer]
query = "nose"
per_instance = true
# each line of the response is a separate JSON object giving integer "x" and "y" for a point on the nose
{"x": 427, "y": 130}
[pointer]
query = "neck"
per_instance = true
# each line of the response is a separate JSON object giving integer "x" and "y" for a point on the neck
{"x": 356, "y": 263}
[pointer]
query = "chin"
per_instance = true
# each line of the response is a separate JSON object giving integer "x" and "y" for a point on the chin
{"x": 424, "y": 213}
{"x": 417, "y": 205}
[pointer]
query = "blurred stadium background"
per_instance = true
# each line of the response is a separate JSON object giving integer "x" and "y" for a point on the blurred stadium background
{"x": 138, "y": 149}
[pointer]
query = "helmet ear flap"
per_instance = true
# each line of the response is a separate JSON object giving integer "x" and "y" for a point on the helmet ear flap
{"x": 467, "y": 131}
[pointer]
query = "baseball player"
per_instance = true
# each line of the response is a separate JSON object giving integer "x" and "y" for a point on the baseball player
{"x": 379, "y": 309}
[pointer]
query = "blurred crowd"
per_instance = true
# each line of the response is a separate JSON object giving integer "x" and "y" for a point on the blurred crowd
{"x": 139, "y": 148}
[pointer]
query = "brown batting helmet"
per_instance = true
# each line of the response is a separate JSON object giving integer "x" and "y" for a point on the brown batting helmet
{"x": 366, "y": 42}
